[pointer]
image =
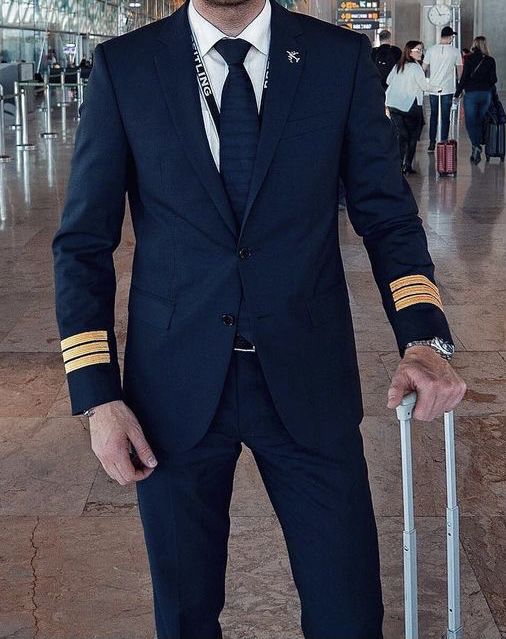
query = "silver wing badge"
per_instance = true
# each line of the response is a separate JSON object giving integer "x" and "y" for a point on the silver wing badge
{"x": 293, "y": 56}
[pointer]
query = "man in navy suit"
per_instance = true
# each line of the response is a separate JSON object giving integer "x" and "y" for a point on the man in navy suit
{"x": 229, "y": 125}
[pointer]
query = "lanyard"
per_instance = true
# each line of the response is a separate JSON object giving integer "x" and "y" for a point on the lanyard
{"x": 207, "y": 90}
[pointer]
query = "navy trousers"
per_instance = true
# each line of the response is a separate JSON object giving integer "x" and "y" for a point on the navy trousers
{"x": 323, "y": 503}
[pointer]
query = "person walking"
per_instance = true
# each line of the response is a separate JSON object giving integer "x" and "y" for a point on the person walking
{"x": 240, "y": 329}
{"x": 478, "y": 81}
{"x": 385, "y": 56}
{"x": 443, "y": 62}
{"x": 404, "y": 99}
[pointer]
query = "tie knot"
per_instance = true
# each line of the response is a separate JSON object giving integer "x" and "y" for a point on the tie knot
{"x": 233, "y": 51}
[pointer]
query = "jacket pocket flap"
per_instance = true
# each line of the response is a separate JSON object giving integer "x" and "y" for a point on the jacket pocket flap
{"x": 150, "y": 308}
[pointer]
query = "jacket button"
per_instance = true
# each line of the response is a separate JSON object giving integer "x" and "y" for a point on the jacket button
{"x": 228, "y": 320}
{"x": 245, "y": 253}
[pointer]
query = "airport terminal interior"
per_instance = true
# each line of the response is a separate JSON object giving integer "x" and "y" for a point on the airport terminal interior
{"x": 73, "y": 564}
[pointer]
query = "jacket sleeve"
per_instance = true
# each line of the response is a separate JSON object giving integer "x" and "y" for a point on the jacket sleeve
{"x": 83, "y": 247}
{"x": 384, "y": 213}
{"x": 493, "y": 73}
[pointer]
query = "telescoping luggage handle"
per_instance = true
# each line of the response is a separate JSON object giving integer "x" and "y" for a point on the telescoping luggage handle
{"x": 454, "y": 120}
{"x": 454, "y": 629}
{"x": 439, "y": 133}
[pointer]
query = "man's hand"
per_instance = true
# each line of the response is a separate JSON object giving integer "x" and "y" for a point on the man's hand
{"x": 439, "y": 388}
{"x": 112, "y": 428}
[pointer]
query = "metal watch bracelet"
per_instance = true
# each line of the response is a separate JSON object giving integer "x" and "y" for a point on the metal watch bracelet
{"x": 443, "y": 348}
{"x": 89, "y": 413}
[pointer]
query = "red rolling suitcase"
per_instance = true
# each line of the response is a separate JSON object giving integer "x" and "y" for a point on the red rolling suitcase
{"x": 446, "y": 152}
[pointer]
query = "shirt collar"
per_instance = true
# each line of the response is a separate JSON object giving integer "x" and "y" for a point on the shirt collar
{"x": 257, "y": 33}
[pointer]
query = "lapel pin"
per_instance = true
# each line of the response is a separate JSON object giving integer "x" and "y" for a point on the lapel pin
{"x": 293, "y": 56}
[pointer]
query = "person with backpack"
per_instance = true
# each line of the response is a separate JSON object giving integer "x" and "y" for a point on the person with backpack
{"x": 478, "y": 81}
{"x": 385, "y": 56}
{"x": 442, "y": 61}
{"x": 404, "y": 99}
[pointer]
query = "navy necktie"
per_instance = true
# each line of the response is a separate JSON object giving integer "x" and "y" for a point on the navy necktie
{"x": 239, "y": 125}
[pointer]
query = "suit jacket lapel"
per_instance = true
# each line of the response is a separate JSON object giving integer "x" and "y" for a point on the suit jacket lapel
{"x": 176, "y": 70}
{"x": 284, "y": 76}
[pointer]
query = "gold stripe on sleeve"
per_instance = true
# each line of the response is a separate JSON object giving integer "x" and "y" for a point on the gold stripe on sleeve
{"x": 417, "y": 299}
{"x": 85, "y": 349}
{"x": 415, "y": 290}
{"x": 87, "y": 360}
{"x": 82, "y": 338}
{"x": 413, "y": 279}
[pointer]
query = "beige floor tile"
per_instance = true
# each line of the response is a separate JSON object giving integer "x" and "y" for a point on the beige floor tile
{"x": 375, "y": 383}
{"x": 17, "y": 602}
{"x": 480, "y": 327}
{"x": 481, "y": 454}
{"x": 29, "y": 383}
{"x": 35, "y": 331}
{"x": 484, "y": 540}
{"x": 17, "y": 236}
{"x": 249, "y": 498}
{"x": 61, "y": 406}
{"x": 92, "y": 579}
{"x": 363, "y": 289}
{"x": 380, "y": 339}
{"x": 107, "y": 497}
{"x": 382, "y": 446}
{"x": 261, "y": 600}
{"x": 47, "y": 466}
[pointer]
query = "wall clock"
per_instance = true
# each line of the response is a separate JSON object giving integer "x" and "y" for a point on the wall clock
{"x": 440, "y": 15}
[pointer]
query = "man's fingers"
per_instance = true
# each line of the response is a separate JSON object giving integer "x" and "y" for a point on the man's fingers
{"x": 426, "y": 407}
{"x": 398, "y": 388}
{"x": 123, "y": 474}
{"x": 112, "y": 471}
{"x": 125, "y": 466}
{"x": 118, "y": 476}
{"x": 142, "y": 447}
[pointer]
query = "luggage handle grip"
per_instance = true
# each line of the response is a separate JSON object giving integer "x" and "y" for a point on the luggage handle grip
{"x": 406, "y": 407}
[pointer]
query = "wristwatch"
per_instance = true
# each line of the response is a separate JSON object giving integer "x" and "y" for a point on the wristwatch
{"x": 89, "y": 413}
{"x": 441, "y": 346}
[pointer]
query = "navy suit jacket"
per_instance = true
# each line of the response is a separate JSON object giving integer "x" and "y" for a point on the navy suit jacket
{"x": 142, "y": 134}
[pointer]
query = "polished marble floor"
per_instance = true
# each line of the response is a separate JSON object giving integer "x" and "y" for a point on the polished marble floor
{"x": 72, "y": 561}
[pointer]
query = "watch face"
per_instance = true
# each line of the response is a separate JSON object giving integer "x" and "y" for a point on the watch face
{"x": 445, "y": 347}
{"x": 440, "y": 15}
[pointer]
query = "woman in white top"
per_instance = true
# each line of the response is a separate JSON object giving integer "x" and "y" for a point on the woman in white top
{"x": 404, "y": 99}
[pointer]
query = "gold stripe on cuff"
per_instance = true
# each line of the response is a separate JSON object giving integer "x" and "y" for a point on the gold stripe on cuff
{"x": 415, "y": 290}
{"x": 85, "y": 349}
{"x": 417, "y": 299}
{"x": 87, "y": 360}
{"x": 413, "y": 279}
{"x": 82, "y": 338}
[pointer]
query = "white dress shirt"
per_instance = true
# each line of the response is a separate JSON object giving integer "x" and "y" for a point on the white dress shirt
{"x": 404, "y": 87}
{"x": 258, "y": 34}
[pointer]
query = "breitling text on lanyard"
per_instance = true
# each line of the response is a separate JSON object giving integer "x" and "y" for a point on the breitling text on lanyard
{"x": 207, "y": 91}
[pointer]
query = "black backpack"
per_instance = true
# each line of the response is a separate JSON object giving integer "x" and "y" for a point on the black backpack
{"x": 385, "y": 58}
